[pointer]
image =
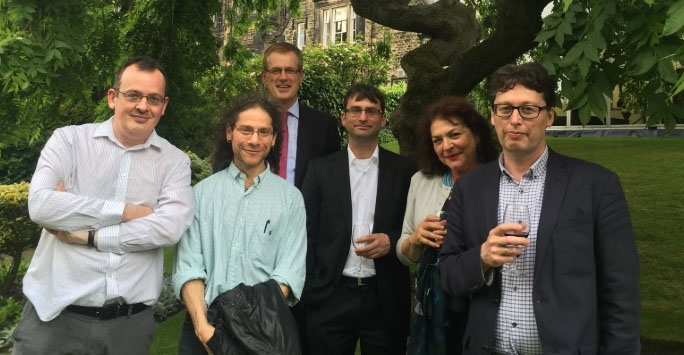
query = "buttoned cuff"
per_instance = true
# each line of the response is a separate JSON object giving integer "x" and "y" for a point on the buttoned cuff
{"x": 108, "y": 239}
{"x": 111, "y": 214}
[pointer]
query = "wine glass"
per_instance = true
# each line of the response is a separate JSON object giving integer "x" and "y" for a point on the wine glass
{"x": 358, "y": 231}
{"x": 516, "y": 213}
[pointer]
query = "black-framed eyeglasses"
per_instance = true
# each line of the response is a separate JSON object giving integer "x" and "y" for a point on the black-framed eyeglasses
{"x": 370, "y": 112}
{"x": 287, "y": 71}
{"x": 247, "y": 131}
{"x": 527, "y": 112}
{"x": 134, "y": 96}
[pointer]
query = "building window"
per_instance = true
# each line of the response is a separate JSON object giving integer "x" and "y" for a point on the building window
{"x": 326, "y": 27}
{"x": 301, "y": 34}
{"x": 340, "y": 25}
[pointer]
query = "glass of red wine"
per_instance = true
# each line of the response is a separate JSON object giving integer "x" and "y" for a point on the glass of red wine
{"x": 515, "y": 213}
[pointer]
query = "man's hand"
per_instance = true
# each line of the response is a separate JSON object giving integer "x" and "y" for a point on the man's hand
{"x": 285, "y": 290}
{"x": 204, "y": 333}
{"x": 378, "y": 246}
{"x": 132, "y": 212}
{"x": 70, "y": 238}
{"x": 67, "y": 237}
{"x": 499, "y": 249}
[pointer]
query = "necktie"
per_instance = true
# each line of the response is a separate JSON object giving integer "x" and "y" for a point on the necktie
{"x": 283, "y": 150}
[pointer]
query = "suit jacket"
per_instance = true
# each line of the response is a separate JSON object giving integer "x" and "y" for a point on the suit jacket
{"x": 317, "y": 136}
{"x": 586, "y": 274}
{"x": 327, "y": 196}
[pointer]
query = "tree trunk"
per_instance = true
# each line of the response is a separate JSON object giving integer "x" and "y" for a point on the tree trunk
{"x": 454, "y": 61}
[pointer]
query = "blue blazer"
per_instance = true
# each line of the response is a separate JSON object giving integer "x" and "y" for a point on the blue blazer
{"x": 586, "y": 276}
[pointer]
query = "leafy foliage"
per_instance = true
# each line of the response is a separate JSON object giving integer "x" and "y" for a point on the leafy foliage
{"x": 200, "y": 168}
{"x": 330, "y": 71}
{"x": 593, "y": 46}
{"x": 17, "y": 232}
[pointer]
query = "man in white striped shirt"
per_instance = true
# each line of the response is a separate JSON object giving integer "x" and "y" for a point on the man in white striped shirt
{"x": 110, "y": 196}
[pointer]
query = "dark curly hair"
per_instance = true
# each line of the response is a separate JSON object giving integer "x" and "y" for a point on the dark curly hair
{"x": 223, "y": 151}
{"x": 530, "y": 75}
{"x": 456, "y": 110}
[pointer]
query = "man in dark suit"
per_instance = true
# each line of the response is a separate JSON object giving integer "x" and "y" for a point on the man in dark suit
{"x": 307, "y": 133}
{"x": 577, "y": 286}
{"x": 355, "y": 200}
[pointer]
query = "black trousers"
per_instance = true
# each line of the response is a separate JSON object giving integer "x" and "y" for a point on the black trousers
{"x": 189, "y": 344}
{"x": 351, "y": 314}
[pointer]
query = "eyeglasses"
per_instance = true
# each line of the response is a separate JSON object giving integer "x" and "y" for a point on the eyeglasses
{"x": 134, "y": 96}
{"x": 247, "y": 132}
{"x": 287, "y": 71}
{"x": 370, "y": 112}
{"x": 527, "y": 112}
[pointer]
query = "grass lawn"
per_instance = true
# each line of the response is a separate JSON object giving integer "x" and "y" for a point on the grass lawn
{"x": 652, "y": 174}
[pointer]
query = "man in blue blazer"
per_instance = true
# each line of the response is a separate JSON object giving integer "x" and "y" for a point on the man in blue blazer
{"x": 577, "y": 286}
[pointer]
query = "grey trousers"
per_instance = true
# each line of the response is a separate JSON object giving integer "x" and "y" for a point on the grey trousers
{"x": 76, "y": 334}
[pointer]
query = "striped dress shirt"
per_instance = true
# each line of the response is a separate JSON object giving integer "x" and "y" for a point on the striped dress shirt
{"x": 101, "y": 176}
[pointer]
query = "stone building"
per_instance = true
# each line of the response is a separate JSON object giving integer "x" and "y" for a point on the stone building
{"x": 327, "y": 22}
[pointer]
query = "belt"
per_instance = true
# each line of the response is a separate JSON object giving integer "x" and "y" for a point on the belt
{"x": 358, "y": 282}
{"x": 109, "y": 311}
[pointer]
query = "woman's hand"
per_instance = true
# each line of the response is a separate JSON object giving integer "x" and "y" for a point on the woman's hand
{"x": 431, "y": 232}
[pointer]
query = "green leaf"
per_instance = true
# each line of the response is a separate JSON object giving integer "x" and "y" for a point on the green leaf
{"x": 573, "y": 55}
{"x": 642, "y": 63}
{"x": 553, "y": 20}
{"x": 597, "y": 102}
{"x": 559, "y": 38}
{"x": 591, "y": 52}
{"x": 679, "y": 86}
{"x": 584, "y": 65}
{"x": 667, "y": 71}
{"x": 603, "y": 84}
{"x": 584, "y": 114}
{"x": 543, "y": 36}
{"x": 565, "y": 27}
{"x": 566, "y": 4}
{"x": 675, "y": 19}
{"x": 597, "y": 40}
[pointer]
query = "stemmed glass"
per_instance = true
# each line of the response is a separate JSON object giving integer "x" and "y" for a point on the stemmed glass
{"x": 358, "y": 231}
{"x": 519, "y": 214}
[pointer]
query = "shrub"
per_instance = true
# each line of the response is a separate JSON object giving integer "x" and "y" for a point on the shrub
{"x": 330, "y": 71}
{"x": 17, "y": 232}
{"x": 392, "y": 96}
{"x": 200, "y": 168}
{"x": 167, "y": 304}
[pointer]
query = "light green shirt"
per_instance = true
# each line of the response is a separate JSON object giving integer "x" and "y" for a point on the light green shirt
{"x": 244, "y": 236}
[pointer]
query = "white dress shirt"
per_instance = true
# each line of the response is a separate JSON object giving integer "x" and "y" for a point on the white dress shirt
{"x": 363, "y": 183}
{"x": 101, "y": 176}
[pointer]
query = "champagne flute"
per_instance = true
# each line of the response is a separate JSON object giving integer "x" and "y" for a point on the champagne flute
{"x": 358, "y": 231}
{"x": 516, "y": 213}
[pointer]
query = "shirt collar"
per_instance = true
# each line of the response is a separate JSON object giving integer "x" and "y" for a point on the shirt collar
{"x": 106, "y": 129}
{"x": 241, "y": 177}
{"x": 294, "y": 110}
{"x": 537, "y": 169}
{"x": 352, "y": 158}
